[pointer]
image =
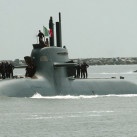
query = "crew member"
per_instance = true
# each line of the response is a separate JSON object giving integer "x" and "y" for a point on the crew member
{"x": 40, "y": 35}
{"x": 82, "y": 71}
{"x": 47, "y": 43}
{"x": 0, "y": 70}
{"x": 11, "y": 67}
{"x": 6, "y": 70}
{"x": 78, "y": 70}
{"x": 3, "y": 70}
{"x": 85, "y": 66}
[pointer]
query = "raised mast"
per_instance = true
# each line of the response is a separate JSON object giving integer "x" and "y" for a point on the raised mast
{"x": 51, "y": 27}
{"x": 58, "y": 32}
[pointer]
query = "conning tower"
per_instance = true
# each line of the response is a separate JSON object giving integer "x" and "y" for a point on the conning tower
{"x": 52, "y": 62}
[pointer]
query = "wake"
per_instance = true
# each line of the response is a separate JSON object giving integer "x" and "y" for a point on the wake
{"x": 39, "y": 96}
{"x": 111, "y": 73}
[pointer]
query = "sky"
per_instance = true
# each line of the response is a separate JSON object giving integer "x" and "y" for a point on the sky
{"x": 90, "y": 28}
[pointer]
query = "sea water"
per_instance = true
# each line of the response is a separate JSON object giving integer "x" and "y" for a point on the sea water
{"x": 73, "y": 116}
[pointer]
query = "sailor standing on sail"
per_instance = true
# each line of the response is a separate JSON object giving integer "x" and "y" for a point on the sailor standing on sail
{"x": 41, "y": 36}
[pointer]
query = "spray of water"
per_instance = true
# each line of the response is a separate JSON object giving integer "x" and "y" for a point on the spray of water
{"x": 38, "y": 96}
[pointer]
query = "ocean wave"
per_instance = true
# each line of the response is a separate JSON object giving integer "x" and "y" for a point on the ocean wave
{"x": 39, "y": 96}
{"x": 63, "y": 116}
{"x": 108, "y": 73}
{"x": 122, "y": 95}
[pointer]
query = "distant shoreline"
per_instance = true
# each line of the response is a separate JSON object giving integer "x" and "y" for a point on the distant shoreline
{"x": 92, "y": 61}
{"x": 108, "y": 61}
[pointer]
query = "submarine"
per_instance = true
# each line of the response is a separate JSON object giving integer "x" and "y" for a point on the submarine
{"x": 53, "y": 74}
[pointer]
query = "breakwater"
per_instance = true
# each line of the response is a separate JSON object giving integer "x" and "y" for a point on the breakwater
{"x": 108, "y": 61}
{"x": 93, "y": 61}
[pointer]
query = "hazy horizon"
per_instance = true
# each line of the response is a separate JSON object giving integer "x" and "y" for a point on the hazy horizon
{"x": 90, "y": 28}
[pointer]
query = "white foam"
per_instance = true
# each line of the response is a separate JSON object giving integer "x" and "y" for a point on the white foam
{"x": 106, "y": 73}
{"x": 63, "y": 116}
{"x": 38, "y": 96}
{"x": 122, "y": 95}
